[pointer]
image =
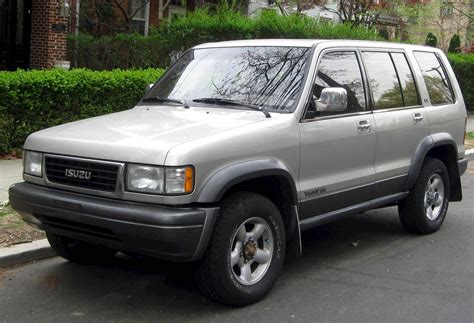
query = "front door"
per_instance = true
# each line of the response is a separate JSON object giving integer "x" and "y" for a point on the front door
{"x": 15, "y": 32}
{"x": 337, "y": 147}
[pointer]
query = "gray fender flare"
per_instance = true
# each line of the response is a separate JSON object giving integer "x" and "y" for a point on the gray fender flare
{"x": 429, "y": 142}
{"x": 224, "y": 179}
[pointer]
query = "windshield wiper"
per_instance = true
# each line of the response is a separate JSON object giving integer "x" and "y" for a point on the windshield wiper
{"x": 232, "y": 102}
{"x": 163, "y": 99}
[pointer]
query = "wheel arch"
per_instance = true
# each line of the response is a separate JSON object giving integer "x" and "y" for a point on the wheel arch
{"x": 268, "y": 177}
{"x": 223, "y": 180}
{"x": 443, "y": 147}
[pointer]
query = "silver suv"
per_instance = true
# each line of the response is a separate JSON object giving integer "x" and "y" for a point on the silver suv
{"x": 242, "y": 145}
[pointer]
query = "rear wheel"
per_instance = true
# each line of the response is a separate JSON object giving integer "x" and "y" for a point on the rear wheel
{"x": 78, "y": 251}
{"x": 246, "y": 251}
{"x": 424, "y": 210}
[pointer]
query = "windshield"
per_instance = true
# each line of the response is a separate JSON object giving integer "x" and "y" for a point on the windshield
{"x": 269, "y": 77}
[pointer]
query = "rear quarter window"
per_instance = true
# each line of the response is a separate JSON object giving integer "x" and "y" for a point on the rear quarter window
{"x": 436, "y": 80}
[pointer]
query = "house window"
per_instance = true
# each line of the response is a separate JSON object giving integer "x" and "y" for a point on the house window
{"x": 139, "y": 13}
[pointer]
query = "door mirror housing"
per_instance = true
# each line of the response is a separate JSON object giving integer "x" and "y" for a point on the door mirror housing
{"x": 332, "y": 99}
{"x": 148, "y": 88}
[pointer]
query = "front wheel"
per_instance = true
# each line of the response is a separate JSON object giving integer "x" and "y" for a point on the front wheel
{"x": 246, "y": 251}
{"x": 424, "y": 210}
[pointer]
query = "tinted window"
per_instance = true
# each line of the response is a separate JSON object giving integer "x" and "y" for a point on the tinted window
{"x": 341, "y": 69}
{"x": 407, "y": 82}
{"x": 435, "y": 78}
{"x": 383, "y": 80}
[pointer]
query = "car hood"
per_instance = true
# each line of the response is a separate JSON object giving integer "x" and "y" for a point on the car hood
{"x": 144, "y": 134}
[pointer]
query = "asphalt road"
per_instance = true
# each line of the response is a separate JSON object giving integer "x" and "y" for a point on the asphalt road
{"x": 363, "y": 269}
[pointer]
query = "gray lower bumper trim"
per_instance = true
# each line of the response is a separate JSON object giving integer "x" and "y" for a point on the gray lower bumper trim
{"x": 178, "y": 234}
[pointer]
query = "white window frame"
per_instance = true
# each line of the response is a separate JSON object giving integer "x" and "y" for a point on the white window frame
{"x": 146, "y": 19}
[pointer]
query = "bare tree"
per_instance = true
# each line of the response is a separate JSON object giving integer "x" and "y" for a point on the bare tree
{"x": 295, "y": 6}
{"x": 355, "y": 12}
{"x": 126, "y": 14}
{"x": 108, "y": 16}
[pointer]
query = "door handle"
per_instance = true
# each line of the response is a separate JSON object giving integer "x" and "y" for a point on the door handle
{"x": 363, "y": 127}
{"x": 417, "y": 118}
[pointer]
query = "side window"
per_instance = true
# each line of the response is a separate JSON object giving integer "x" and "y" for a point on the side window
{"x": 383, "y": 80}
{"x": 407, "y": 81}
{"x": 435, "y": 78}
{"x": 340, "y": 70}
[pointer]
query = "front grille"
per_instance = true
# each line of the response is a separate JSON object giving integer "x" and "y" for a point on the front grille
{"x": 103, "y": 176}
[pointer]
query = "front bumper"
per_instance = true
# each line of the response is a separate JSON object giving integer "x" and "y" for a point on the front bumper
{"x": 171, "y": 233}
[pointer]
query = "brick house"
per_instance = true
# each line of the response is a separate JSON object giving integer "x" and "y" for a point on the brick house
{"x": 33, "y": 32}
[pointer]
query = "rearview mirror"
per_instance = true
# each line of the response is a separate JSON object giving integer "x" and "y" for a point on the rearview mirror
{"x": 332, "y": 99}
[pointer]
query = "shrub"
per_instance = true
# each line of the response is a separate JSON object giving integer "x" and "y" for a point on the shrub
{"x": 34, "y": 100}
{"x": 166, "y": 42}
{"x": 455, "y": 44}
{"x": 463, "y": 66}
{"x": 431, "y": 40}
{"x": 125, "y": 51}
{"x": 384, "y": 33}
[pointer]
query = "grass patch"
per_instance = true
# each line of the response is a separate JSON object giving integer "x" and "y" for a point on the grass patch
{"x": 9, "y": 218}
{"x": 5, "y": 211}
{"x": 470, "y": 136}
{"x": 13, "y": 230}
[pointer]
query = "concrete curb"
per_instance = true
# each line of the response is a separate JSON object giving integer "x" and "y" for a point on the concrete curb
{"x": 469, "y": 154}
{"x": 25, "y": 252}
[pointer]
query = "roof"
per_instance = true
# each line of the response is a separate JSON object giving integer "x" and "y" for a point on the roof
{"x": 262, "y": 42}
{"x": 311, "y": 42}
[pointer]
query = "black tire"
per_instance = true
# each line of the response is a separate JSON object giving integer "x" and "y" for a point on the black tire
{"x": 78, "y": 251}
{"x": 216, "y": 276}
{"x": 414, "y": 216}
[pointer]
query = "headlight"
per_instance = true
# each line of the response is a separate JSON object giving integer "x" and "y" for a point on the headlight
{"x": 160, "y": 180}
{"x": 146, "y": 179}
{"x": 33, "y": 163}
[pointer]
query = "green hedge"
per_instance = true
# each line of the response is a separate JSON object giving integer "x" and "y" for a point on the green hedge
{"x": 34, "y": 100}
{"x": 136, "y": 51}
{"x": 463, "y": 66}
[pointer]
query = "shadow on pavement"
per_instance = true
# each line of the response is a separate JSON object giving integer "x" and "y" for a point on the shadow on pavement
{"x": 143, "y": 283}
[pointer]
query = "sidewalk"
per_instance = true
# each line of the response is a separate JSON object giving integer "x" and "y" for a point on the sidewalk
{"x": 10, "y": 173}
{"x": 470, "y": 123}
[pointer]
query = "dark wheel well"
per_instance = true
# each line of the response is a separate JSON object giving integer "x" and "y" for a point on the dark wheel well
{"x": 278, "y": 190}
{"x": 447, "y": 154}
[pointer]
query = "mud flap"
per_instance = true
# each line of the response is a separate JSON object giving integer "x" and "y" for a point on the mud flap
{"x": 294, "y": 247}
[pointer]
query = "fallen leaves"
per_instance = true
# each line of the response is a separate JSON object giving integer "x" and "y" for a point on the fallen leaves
{"x": 13, "y": 230}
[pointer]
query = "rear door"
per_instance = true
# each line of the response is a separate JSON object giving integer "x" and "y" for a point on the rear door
{"x": 337, "y": 148}
{"x": 400, "y": 118}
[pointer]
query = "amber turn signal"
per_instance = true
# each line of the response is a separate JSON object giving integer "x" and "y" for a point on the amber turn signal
{"x": 189, "y": 179}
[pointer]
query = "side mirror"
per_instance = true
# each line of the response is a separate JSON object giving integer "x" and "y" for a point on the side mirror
{"x": 148, "y": 88}
{"x": 332, "y": 99}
